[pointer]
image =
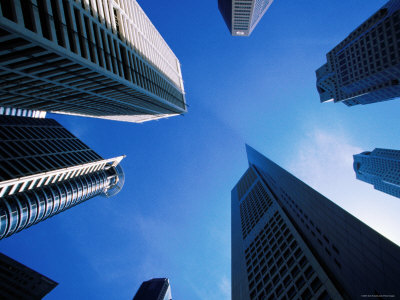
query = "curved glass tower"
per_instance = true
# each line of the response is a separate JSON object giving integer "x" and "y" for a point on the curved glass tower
{"x": 45, "y": 170}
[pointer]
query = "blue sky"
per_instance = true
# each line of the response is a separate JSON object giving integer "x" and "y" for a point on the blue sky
{"x": 172, "y": 218}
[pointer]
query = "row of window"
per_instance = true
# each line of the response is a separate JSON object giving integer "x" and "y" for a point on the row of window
{"x": 99, "y": 46}
{"x": 245, "y": 182}
{"x": 372, "y": 52}
{"x": 98, "y": 97}
{"x": 366, "y": 25}
{"x": 277, "y": 267}
{"x": 253, "y": 208}
{"x": 315, "y": 231}
{"x": 20, "y": 167}
{"x": 9, "y": 133}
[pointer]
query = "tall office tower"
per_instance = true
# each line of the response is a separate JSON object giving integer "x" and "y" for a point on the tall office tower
{"x": 95, "y": 58}
{"x": 154, "y": 289}
{"x": 20, "y": 282}
{"x": 290, "y": 242}
{"x": 242, "y": 16}
{"x": 44, "y": 170}
{"x": 365, "y": 67}
{"x": 381, "y": 168}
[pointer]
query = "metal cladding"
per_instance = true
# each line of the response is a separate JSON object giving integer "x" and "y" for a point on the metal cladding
{"x": 44, "y": 170}
{"x": 89, "y": 59}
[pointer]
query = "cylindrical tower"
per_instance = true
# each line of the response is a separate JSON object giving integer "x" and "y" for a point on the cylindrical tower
{"x": 44, "y": 170}
{"x": 24, "y": 209}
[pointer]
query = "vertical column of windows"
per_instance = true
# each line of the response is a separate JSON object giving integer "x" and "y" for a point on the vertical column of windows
{"x": 99, "y": 45}
{"x": 89, "y": 39}
{"x": 82, "y": 43}
{"x": 57, "y": 22}
{"x": 118, "y": 58}
{"x": 106, "y": 50}
{"x": 8, "y": 9}
{"x": 72, "y": 42}
{"x": 132, "y": 68}
{"x": 27, "y": 13}
{"x": 112, "y": 54}
{"x": 125, "y": 63}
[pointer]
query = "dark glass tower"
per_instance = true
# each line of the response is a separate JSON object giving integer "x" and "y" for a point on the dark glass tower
{"x": 381, "y": 168}
{"x": 154, "y": 289}
{"x": 242, "y": 16}
{"x": 290, "y": 242}
{"x": 44, "y": 170}
{"x": 365, "y": 67}
{"x": 20, "y": 282}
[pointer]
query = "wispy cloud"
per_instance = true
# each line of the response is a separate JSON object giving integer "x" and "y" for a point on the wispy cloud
{"x": 225, "y": 287}
{"x": 223, "y": 292}
{"x": 324, "y": 160}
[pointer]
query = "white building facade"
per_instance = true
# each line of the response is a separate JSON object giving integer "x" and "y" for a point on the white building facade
{"x": 95, "y": 58}
{"x": 242, "y": 16}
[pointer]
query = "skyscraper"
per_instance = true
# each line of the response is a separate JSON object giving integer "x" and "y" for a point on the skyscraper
{"x": 365, "y": 67}
{"x": 96, "y": 58}
{"x": 154, "y": 289}
{"x": 44, "y": 170}
{"x": 290, "y": 242}
{"x": 381, "y": 168}
{"x": 20, "y": 282}
{"x": 242, "y": 16}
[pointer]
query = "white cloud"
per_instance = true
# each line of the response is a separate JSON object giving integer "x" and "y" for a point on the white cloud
{"x": 324, "y": 160}
{"x": 225, "y": 287}
{"x": 323, "y": 157}
{"x": 209, "y": 292}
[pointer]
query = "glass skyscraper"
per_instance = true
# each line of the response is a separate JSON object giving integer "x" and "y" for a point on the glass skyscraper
{"x": 20, "y": 282}
{"x": 365, "y": 67}
{"x": 381, "y": 168}
{"x": 290, "y": 242}
{"x": 154, "y": 289}
{"x": 242, "y": 16}
{"x": 44, "y": 170}
{"x": 102, "y": 59}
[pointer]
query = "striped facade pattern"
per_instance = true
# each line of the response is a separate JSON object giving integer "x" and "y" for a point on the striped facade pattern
{"x": 100, "y": 58}
{"x": 44, "y": 170}
{"x": 242, "y": 16}
{"x": 23, "y": 210}
{"x": 18, "y": 112}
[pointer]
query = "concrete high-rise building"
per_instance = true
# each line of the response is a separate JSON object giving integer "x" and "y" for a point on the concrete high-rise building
{"x": 154, "y": 289}
{"x": 44, "y": 170}
{"x": 381, "y": 168}
{"x": 242, "y": 16}
{"x": 94, "y": 58}
{"x": 290, "y": 242}
{"x": 20, "y": 282}
{"x": 365, "y": 67}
